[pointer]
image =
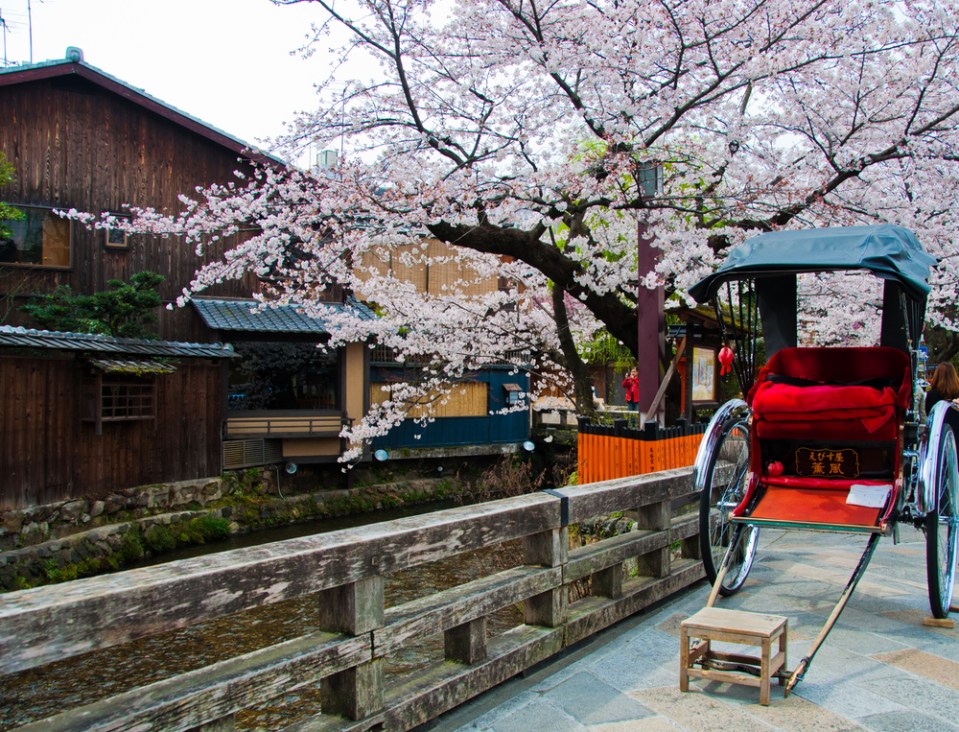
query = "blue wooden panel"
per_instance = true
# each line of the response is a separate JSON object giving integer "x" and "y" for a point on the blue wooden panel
{"x": 460, "y": 431}
{"x": 446, "y": 432}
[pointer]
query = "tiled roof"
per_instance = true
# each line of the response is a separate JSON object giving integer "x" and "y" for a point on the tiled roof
{"x": 85, "y": 342}
{"x": 243, "y": 315}
{"x": 116, "y": 366}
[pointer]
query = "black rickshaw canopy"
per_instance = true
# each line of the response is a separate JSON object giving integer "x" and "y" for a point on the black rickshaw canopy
{"x": 771, "y": 261}
{"x": 889, "y": 252}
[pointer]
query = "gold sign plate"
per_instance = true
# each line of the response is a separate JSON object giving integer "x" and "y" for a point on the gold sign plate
{"x": 817, "y": 462}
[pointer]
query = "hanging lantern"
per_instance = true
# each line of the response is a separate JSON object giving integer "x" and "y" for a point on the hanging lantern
{"x": 725, "y": 360}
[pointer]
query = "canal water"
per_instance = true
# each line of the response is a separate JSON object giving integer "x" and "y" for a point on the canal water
{"x": 39, "y": 693}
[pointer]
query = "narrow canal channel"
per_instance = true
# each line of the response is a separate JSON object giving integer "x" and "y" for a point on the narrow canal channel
{"x": 40, "y": 693}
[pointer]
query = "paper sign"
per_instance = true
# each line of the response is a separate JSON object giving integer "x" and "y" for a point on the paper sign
{"x": 870, "y": 496}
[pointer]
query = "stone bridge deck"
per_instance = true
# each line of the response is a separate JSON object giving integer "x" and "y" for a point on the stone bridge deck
{"x": 879, "y": 669}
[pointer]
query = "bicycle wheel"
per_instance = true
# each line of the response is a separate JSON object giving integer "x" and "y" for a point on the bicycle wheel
{"x": 721, "y": 474}
{"x": 942, "y": 525}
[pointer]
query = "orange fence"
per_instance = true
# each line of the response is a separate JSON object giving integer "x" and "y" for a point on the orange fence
{"x": 605, "y": 453}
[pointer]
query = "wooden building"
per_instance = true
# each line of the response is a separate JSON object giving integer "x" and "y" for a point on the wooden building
{"x": 469, "y": 418}
{"x": 87, "y": 414}
{"x": 80, "y": 138}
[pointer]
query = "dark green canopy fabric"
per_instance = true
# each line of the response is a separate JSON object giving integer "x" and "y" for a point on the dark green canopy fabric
{"x": 890, "y": 252}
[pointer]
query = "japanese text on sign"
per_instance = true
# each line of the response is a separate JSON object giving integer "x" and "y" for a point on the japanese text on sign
{"x": 823, "y": 463}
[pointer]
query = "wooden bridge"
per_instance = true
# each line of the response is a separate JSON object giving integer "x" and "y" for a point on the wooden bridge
{"x": 565, "y": 595}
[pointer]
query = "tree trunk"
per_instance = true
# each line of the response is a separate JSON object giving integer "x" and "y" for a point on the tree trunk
{"x": 618, "y": 316}
{"x": 582, "y": 383}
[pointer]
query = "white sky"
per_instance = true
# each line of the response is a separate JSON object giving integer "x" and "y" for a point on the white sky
{"x": 226, "y": 62}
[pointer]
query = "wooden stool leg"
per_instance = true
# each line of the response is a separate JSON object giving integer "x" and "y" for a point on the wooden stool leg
{"x": 764, "y": 673}
{"x": 683, "y": 660}
{"x": 782, "y": 649}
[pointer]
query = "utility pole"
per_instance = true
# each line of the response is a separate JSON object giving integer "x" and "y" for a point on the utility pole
{"x": 30, "y": 28}
{"x": 4, "y": 24}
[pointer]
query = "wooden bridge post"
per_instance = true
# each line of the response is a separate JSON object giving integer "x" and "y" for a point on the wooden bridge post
{"x": 354, "y": 608}
{"x": 548, "y": 549}
{"x": 466, "y": 643}
{"x": 655, "y": 517}
{"x": 690, "y": 548}
{"x": 609, "y": 582}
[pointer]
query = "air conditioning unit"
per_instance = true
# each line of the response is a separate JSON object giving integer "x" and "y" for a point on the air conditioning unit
{"x": 251, "y": 453}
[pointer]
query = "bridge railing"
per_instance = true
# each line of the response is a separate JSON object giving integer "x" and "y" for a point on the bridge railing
{"x": 347, "y": 572}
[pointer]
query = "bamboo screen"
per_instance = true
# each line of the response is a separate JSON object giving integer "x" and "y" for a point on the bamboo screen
{"x": 466, "y": 399}
{"x": 448, "y": 273}
{"x": 438, "y": 274}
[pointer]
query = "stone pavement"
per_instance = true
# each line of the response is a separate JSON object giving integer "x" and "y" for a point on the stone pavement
{"x": 879, "y": 669}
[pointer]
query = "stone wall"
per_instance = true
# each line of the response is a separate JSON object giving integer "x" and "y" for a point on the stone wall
{"x": 31, "y": 526}
{"x": 81, "y": 538}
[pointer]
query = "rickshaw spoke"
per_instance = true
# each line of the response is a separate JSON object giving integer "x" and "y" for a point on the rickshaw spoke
{"x": 721, "y": 472}
{"x": 942, "y": 523}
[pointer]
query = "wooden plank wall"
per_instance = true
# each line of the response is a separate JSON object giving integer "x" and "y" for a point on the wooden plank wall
{"x": 74, "y": 145}
{"x": 48, "y": 454}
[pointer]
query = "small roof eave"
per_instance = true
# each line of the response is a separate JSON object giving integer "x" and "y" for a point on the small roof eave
{"x": 249, "y": 316}
{"x": 15, "y": 337}
{"x": 116, "y": 366}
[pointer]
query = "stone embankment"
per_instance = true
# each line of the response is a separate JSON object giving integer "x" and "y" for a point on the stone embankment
{"x": 84, "y": 537}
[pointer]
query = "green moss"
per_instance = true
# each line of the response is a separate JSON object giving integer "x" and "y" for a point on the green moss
{"x": 56, "y": 573}
{"x": 210, "y": 527}
{"x": 159, "y": 538}
{"x": 131, "y": 548}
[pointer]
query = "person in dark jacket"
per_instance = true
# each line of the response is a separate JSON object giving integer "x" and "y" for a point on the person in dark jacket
{"x": 944, "y": 384}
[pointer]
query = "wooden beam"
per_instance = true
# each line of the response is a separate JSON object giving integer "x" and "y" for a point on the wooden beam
{"x": 654, "y": 407}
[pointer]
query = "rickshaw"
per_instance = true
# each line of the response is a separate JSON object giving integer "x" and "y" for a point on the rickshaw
{"x": 825, "y": 438}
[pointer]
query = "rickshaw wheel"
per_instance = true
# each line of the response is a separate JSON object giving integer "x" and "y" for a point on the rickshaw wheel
{"x": 942, "y": 526}
{"x": 721, "y": 491}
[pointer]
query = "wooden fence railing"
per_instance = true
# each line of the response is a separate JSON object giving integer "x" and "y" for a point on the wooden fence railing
{"x": 607, "y": 452}
{"x": 346, "y": 572}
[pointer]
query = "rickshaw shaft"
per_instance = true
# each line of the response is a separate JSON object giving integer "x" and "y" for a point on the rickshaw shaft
{"x": 803, "y": 666}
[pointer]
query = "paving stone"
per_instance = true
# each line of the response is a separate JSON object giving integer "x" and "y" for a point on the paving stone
{"x": 650, "y": 724}
{"x": 652, "y": 661}
{"x": 696, "y": 710}
{"x": 591, "y": 701}
{"x": 802, "y": 715}
{"x": 920, "y": 663}
{"x": 927, "y": 696}
{"x": 855, "y": 704}
{"x": 912, "y": 721}
{"x": 537, "y": 716}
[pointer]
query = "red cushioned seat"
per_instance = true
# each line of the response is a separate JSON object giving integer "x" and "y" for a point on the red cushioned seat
{"x": 849, "y": 412}
{"x": 834, "y": 401}
{"x": 831, "y": 393}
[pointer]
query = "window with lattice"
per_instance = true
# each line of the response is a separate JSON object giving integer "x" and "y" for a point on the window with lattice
{"x": 118, "y": 400}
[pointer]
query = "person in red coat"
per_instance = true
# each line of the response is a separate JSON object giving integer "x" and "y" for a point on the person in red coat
{"x": 631, "y": 385}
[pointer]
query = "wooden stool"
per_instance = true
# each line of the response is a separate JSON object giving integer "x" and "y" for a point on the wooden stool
{"x": 733, "y": 626}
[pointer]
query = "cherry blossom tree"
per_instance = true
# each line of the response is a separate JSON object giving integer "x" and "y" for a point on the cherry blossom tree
{"x": 523, "y": 134}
